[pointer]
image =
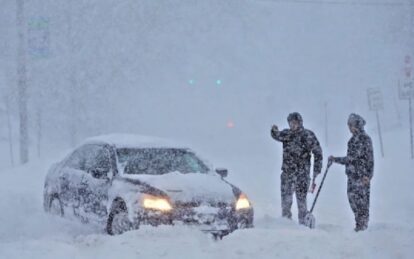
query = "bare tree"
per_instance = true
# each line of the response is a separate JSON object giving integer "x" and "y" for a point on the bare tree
{"x": 9, "y": 127}
{"x": 73, "y": 121}
{"x": 22, "y": 84}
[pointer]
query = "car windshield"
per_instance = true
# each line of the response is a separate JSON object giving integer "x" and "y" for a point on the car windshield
{"x": 157, "y": 161}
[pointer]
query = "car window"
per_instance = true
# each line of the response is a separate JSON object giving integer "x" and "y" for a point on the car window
{"x": 93, "y": 159}
{"x": 192, "y": 162}
{"x": 76, "y": 160}
{"x": 159, "y": 161}
{"x": 97, "y": 159}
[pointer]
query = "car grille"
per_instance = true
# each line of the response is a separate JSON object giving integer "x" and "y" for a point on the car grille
{"x": 196, "y": 212}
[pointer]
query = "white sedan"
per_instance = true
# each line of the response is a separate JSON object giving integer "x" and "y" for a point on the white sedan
{"x": 124, "y": 181}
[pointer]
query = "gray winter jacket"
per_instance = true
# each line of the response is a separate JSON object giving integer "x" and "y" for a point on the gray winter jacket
{"x": 359, "y": 161}
{"x": 297, "y": 149}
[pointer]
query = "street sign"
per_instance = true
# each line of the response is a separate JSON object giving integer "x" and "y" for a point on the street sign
{"x": 38, "y": 37}
{"x": 376, "y": 103}
{"x": 375, "y": 99}
{"x": 406, "y": 90}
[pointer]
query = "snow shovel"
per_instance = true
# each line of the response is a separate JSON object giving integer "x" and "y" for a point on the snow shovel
{"x": 309, "y": 218}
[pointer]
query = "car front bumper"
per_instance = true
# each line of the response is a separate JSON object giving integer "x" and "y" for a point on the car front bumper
{"x": 208, "y": 219}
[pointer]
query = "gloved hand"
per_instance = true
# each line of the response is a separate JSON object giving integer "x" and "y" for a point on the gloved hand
{"x": 275, "y": 128}
{"x": 330, "y": 160}
{"x": 313, "y": 186}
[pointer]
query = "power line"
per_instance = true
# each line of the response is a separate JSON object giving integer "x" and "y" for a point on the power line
{"x": 333, "y": 2}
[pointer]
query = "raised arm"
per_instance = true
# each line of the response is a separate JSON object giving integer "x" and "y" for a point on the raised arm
{"x": 281, "y": 136}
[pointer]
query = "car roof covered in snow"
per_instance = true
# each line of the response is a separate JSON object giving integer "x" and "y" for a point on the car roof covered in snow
{"x": 134, "y": 141}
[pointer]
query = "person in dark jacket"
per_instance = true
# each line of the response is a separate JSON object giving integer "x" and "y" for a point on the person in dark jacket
{"x": 359, "y": 164}
{"x": 298, "y": 146}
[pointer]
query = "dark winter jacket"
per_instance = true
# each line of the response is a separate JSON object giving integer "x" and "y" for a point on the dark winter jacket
{"x": 297, "y": 149}
{"x": 359, "y": 161}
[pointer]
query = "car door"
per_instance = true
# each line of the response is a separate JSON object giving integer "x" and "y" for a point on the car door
{"x": 95, "y": 183}
{"x": 70, "y": 177}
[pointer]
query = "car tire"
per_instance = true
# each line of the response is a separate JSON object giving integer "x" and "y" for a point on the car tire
{"x": 55, "y": 206}
{"x": 118, "y": 221}
{"x": 245, "y": 223}
{"x": 220, "y": 235}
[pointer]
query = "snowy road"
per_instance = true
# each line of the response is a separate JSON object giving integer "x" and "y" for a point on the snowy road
{"x": 26, "y": 232}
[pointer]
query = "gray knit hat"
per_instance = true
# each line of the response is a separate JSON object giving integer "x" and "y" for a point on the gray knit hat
{"x": 356, "y": 121}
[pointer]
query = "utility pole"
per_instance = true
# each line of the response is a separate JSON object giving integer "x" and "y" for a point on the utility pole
{"x": 412, "y": 87}
{"x": 70, "y": 54}
{"x": 411, "y": 128}
{"x": 38, "y": 48}
{"x": 22, "y": 83}
{"x": 9, "y": 128}
{"x": 406, "y": 92}
{"x": 326, "y": 123}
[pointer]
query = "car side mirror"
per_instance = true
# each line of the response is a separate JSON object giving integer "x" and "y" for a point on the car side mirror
{"x": 223, "y": 172}
{"x": 99, "y": 173}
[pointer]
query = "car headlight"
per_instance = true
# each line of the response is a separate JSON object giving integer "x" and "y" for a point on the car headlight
{"x": 242, "y": 202}
{"x": 156, "y": 203}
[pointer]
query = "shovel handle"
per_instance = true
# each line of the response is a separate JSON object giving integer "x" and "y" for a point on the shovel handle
{"x": 320, "y": 186}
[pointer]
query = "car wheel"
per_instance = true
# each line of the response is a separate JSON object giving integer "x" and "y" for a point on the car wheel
{"x": 118, "y": 221}
{"x": 243, "y": 224}
{"x": 56, "y": 206}
{"x": 218, "y": 236}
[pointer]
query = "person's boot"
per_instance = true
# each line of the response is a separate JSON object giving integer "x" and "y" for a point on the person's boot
{"x": 364, "y": 224}
{"x": 287, "y": 214}
{"x": 360, "y": 226}
{"x": 363, "y": 227}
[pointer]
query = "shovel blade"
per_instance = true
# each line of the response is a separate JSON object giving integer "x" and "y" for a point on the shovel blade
{"x": 310, "y": 221}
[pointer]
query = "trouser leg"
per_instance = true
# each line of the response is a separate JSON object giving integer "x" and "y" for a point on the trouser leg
{"x": 359, "y": 196}
{"x": 364, "y": 206}
{"x": 286, "y": 190}
{"x": 352, "y": 197}
{"x": 301, "y": 189}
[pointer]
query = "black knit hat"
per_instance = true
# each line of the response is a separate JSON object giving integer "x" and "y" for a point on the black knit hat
{"x": 295, "y": 116}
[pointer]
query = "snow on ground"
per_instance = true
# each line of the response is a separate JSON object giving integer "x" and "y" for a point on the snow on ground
{"x": 27, "y": 232}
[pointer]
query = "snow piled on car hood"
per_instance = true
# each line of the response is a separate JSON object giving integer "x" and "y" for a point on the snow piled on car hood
{"x": 189, "y": 187}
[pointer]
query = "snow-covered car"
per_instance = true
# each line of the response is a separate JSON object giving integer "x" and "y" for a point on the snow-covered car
{"x": 124, "y": 181}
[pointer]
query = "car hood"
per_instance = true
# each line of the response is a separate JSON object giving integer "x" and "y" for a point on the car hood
{"x": 192, "y": 187}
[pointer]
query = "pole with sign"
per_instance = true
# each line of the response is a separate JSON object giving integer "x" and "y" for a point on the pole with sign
{"x": 38, "y": 37}
{"x": 326, "y": 123}
{"x": 376, "y": 103}
{"x": 406, "y": 92}
{"x": 411, "y": 129}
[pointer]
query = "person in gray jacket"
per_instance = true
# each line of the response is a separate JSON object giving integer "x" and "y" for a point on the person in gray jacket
{"x": 298, "y": 146}
{"x": 359, "y": 164}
